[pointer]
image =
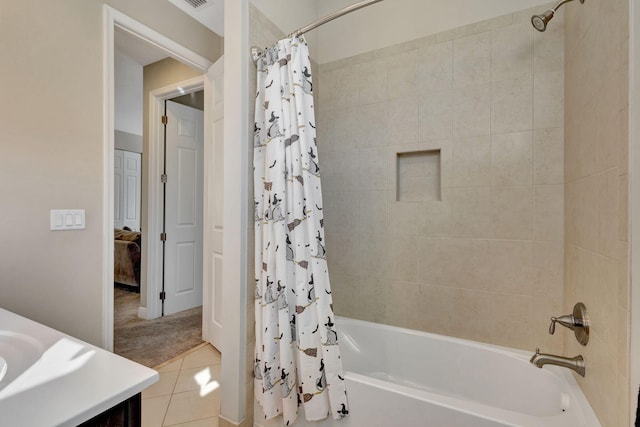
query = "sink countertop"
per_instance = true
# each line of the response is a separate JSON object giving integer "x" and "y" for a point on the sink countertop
{"x": 53, "y": 379}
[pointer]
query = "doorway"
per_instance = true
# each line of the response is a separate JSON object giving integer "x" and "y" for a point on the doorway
{"x": 183, "y": 181}
{"x": 221, "y": 147}
{"x": 142, "y": 69}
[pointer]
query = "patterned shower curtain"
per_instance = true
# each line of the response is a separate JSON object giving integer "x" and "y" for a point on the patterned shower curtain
{"x": 297, "y": 360}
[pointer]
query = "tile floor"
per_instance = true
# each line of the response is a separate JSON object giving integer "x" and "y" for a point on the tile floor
{"x": 187, "y": 393}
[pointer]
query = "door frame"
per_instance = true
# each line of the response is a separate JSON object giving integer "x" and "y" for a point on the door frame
{"x": 236, "y": 149}
{"x": 155, "y": 213}
{"x": 634, "y": 208}
{"x": 113, "y": 19}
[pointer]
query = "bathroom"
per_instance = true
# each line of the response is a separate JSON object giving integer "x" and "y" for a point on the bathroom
{"x": 557, "y": 206}
{"x": 513, "y": 148}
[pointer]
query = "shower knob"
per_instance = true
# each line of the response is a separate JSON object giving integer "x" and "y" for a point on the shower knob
{"x": 578, "y": 322}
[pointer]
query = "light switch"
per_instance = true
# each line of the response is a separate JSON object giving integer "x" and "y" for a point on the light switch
{"x": 67, "y": 219}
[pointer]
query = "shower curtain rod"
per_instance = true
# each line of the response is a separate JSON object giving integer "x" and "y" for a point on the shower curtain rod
{"x": 256, "y": 51}
{"x": 333, "y": 16}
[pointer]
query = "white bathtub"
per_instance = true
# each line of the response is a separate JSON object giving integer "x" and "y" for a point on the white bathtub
{"x": 400, "y": 377}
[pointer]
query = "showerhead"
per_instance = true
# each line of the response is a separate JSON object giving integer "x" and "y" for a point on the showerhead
{"x": 540, "y": 21}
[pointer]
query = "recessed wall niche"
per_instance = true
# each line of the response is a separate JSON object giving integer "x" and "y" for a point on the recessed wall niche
{"x": 418, "y": 176}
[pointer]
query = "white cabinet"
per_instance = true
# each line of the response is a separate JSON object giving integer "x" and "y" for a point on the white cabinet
{"x": 127, "y": 185}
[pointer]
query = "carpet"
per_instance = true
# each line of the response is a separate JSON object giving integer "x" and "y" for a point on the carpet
{"x": 152, "y": 342}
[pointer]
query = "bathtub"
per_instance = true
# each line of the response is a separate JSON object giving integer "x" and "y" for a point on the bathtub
{"x": 401, "y": 377}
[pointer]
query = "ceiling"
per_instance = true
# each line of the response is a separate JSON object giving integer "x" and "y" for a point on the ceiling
{"x": 210, "y": 13}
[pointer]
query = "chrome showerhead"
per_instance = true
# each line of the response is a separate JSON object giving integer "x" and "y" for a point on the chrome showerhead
{"x": 540, "y": 21}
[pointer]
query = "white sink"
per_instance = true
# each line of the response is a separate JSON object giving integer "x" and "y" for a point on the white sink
{"x": 18, "y": 352}
{"x": 66, "y": 380}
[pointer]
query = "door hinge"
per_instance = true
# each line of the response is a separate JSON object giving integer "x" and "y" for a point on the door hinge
{"x": 163, "y": 178}
{"x": 163, "y": 237}
{"x": 163, "y": 295}
{"x": 165, "y": 120}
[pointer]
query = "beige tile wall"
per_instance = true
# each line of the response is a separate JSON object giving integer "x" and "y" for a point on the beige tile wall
{"x": 527, "y": 226}
{"x": 596, "y": 195}
{"x": 490, "y": 97}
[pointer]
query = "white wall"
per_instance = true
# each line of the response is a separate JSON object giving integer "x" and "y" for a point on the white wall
{"x": 127, "y": 141}
{"x": 290, "y": 15}
{"x": 128, "y": 94}
{"x": 396, "y": 21}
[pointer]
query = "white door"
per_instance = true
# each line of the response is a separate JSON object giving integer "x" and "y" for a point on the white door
{"x": 183, "y": 209}
{"x": 127, "y": 176}
{"x": 214, "y": 184}
{"x": 131, "y": 185}
{"x": 118, "y": 175}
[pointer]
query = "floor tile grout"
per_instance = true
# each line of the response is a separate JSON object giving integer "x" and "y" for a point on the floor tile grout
{"x": 173, "y": 389}
{"x": 180, "y": 361}
{"x": 182, "y": 356}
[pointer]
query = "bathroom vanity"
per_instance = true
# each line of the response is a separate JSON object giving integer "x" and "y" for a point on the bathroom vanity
{"x": 48, "y": 378}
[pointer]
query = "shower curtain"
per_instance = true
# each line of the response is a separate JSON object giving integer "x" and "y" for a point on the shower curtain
{"x": 297, "y": 360}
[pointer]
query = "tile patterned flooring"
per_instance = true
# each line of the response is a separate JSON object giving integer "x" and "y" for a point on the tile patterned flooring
{"x": 187, "y": 393}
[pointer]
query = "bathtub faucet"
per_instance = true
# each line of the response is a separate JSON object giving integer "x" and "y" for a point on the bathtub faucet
{"x": 574, "y": 363}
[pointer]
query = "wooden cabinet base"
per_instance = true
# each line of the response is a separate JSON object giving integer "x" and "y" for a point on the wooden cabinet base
{"x": 125, "y": 414}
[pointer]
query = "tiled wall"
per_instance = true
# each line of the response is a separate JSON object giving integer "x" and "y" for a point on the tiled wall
{"x": 596, "y": 196}
{"x": 485, "y": 261}
{"x": 526, "y": 226}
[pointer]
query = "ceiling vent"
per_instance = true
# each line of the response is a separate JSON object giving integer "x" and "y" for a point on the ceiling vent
{"x": 197, "y": 3}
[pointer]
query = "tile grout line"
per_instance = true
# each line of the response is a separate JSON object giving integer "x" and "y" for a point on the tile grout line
{"x": 181, "y": 356}
{"x": 180, "y": 362}
{"x": 166, "y": 411}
